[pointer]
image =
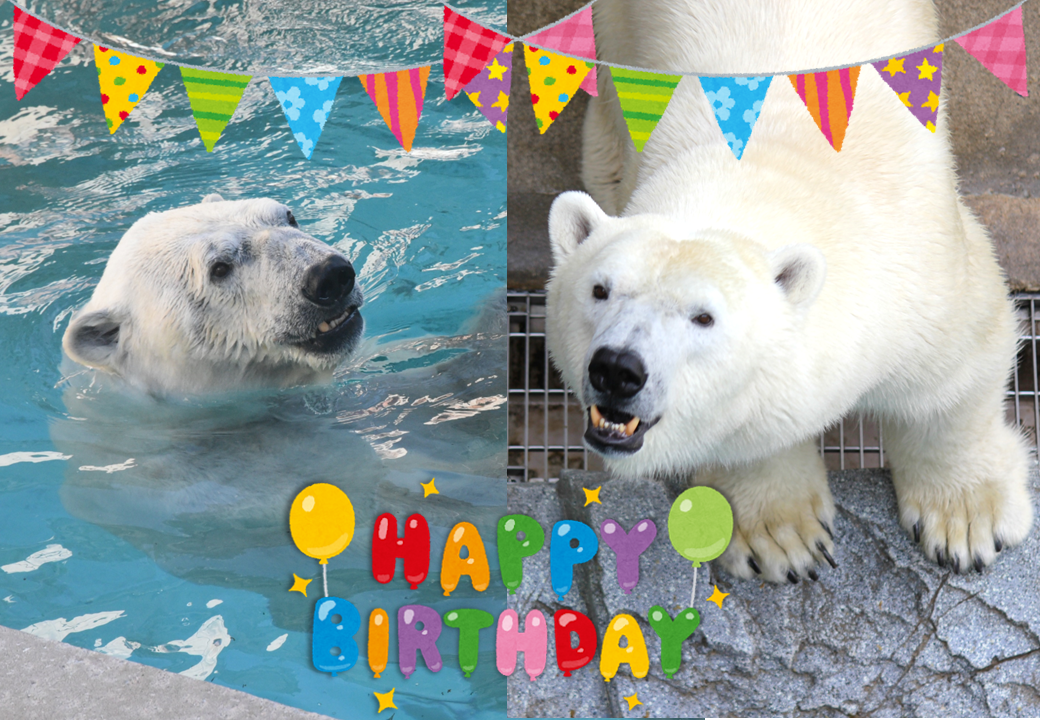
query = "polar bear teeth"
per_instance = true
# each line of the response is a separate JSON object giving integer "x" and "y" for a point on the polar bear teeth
{"x": 325, "y": 327}
{"x": 602, "y": 423}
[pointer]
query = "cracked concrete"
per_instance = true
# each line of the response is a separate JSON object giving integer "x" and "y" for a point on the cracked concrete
{"x": 885, "y": 634}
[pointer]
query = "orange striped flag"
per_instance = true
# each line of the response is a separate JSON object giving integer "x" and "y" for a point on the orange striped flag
{"x": 399, "y": 98}
{"x": 828, "y": 96}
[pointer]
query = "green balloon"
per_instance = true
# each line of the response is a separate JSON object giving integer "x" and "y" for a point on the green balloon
{"x": 470, "y": 622}
{"x": 700, "y": 524}
{"x": 512, "y": 550}
{"x": 673, "y": 633}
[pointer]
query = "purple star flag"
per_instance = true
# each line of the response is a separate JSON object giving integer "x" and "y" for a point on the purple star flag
{"x": 917, "y": 80}
{"x": 489, "y": 90}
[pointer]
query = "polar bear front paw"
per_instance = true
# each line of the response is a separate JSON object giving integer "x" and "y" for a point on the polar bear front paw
{"x": 965, "y": 525}
{"x": 783, "y": 543}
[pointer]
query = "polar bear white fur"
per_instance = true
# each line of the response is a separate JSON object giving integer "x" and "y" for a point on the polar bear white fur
{"x": 735, "y": 309}
{"x": 223, "y": 295}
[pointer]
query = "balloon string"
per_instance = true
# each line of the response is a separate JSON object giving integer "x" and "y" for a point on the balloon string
{"x": 693, "y": 593}
{"x": 325, "y": 578}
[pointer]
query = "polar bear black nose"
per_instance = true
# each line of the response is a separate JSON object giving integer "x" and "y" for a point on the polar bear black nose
{"x": 329, "y": 281}
{"x": 618, "y": 373}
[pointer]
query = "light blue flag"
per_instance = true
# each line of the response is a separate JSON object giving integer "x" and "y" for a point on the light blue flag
{"x": 737, "y": 101}
{"x": 307, "y": 102}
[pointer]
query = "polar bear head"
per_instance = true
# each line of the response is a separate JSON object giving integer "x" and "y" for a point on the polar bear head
{"x": 674, "y": 339}
{"x": 219, "y": 296}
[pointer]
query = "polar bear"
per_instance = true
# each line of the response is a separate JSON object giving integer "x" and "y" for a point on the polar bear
{"x": 222, "y": 295}
{"x": 715, "y": 315}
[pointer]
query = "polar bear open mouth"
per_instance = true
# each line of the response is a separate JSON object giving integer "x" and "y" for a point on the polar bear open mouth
{"x": 332, "y": 334}
{"x": 612, "y": 431}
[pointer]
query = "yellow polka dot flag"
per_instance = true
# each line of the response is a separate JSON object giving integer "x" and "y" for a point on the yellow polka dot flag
{"x": 644, "y": 97}
{"x": 554, "y": 80}
{"x": 214, "y": 96}
{"x": 124, "y": 79}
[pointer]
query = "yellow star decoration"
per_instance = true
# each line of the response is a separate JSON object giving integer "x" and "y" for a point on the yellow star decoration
{"x": 717, "y": 597}
{"x": 299, "y": 585}
{"x": 500, "y": 126}
{"x": 386, "y": 700}
{"x": 932, "y": 103}
{"x": 502, "y": 103}
{"x": 939, "y": 47}
{"x": 930, "y": 126}
{"x": 592, "y": 496}
{"x": 429, "y": 488}
{"x": 495, "y": 70}
{"x": 905, "y": 97}
{"x": 632, "y": 700}
{"x": 895, "y": 65}
{"x": 926, "y": 70}
{"x": 475, "y": 97}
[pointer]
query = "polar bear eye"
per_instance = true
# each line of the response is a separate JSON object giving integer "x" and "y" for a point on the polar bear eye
{"x": 704, "y": 320}
{"x": 291, "y": 219}
{"x": 600, "y": 293}
{"x": 219, "y": 269}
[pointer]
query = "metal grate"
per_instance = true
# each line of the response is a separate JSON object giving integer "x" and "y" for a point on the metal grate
{"x": 546, "y": 422}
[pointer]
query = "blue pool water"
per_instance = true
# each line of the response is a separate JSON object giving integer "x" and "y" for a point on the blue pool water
{"x": 167, "y": 522}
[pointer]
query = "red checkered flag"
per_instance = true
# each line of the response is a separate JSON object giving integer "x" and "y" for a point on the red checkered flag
{"x": 37, "y": 49}
{"x": 468, "y": 47}
{"x": 1001, "y": 47}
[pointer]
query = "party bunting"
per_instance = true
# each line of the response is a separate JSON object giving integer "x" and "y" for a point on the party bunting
{"x": 1001, "y": 47}
{"x": 737, "y": 102}
{"x": 214, "y": 96}
{"x": 644, "y": 97}
{"x": 572, "y": 36}
{"x": 554, "y": 80}
{"x": 399, "y": 98}
{"x": 38, "y": 47}
{"x": 828, "y": 96}
{"x": 306, "y": 102}
{"x": 917, "y": 80}
{"x": 489, "y": 90}
{"x": 468, "y": 47}
{"x": 124, "y": 79}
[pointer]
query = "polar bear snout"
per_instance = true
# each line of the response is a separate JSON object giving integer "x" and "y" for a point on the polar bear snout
{"x": 617, "y": 373}
{"x": 329, "y": 281}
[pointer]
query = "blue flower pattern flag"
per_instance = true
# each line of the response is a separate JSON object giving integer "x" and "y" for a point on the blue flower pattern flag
{"x": 306, "y": 102}
{"x": 737, "y": 102}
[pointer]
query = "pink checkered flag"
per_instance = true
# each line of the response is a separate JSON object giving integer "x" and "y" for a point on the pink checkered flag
{"x": 1001, "y": 47}
{"x": 468, "y": 47}
{"x": 572, "y": 36}
{"x": 38, "y": 47}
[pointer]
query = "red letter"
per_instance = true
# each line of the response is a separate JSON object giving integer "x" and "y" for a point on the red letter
{"x": 569, "y": 657}
{"x": 413, "y": 548}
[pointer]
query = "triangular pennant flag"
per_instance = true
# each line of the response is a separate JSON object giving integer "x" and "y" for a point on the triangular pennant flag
{"x": 554, "y": 80}
{"x": 306, "y": 102}
{"x": 38, "y": 47}
{"x": 737, "y": 101}
{"x": 468, "y": 47}
{"x": 1001, "y": 47}
{"x": 489, "y": 90}
{"x": 214, "y": 96}
{"x": 399, "y": 98}
{"x": 644, "y": 97}
{"x": 917, "y": 80}
{"x": 572, "y": 36}
{"x": 123, "y": 79}
{"x": 828, "y": 96}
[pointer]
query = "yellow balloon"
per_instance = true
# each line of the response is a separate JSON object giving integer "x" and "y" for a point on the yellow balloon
{"x": 612, "y": 654}
{"x": 322, "y": 521}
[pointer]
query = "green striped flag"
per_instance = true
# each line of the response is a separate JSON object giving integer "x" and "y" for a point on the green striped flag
{"x": 644, "y": 98}
{"x": 214, "y": 97}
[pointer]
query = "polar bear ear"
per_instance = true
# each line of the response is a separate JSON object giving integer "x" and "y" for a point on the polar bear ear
{"x": 573, "y": 217}
{"x": 799, "y": 270}
{"x": 213, "y": 197}
{"x": 92, "y": 339}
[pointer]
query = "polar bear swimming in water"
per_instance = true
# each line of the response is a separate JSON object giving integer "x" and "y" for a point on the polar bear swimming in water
{"x": 734, "y": 309}
{"x": 223, "y": 295}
